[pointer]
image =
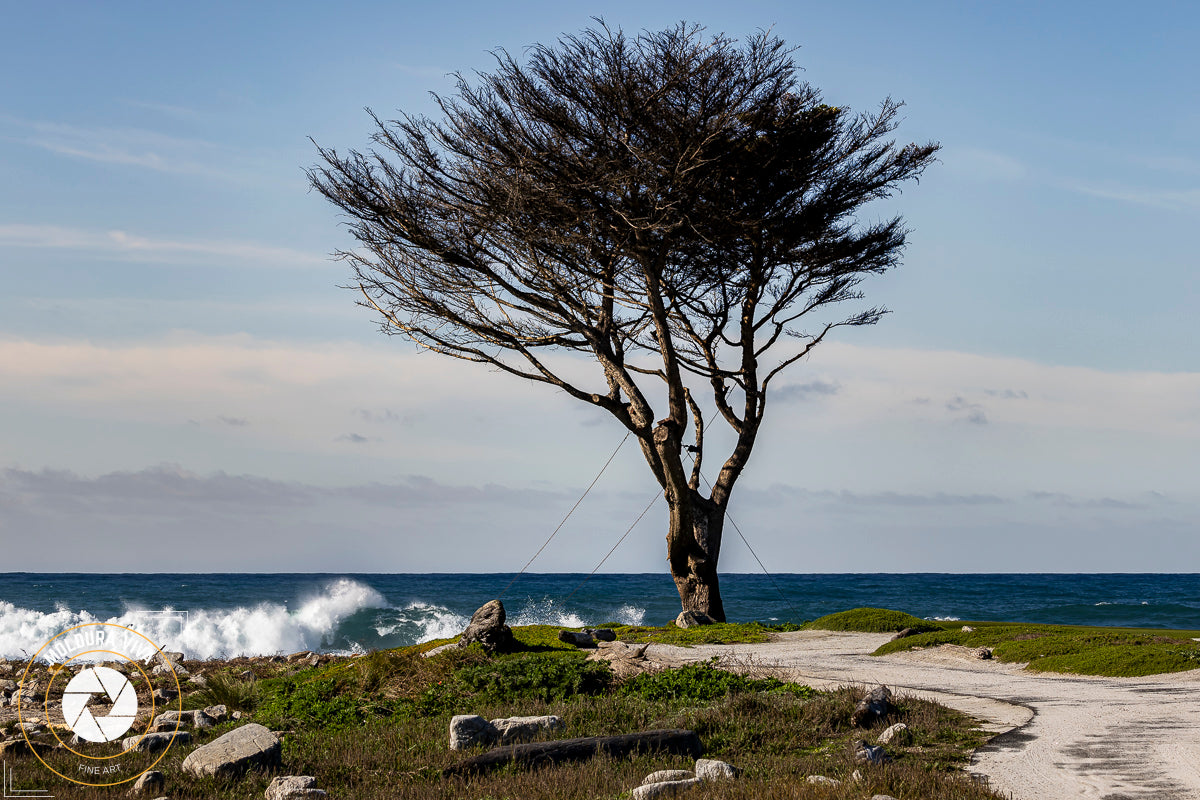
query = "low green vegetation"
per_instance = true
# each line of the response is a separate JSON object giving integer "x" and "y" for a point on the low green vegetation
{"x": 871, "y": 620}
{"x": 1111, "y": 652}
{"x": 720, "y": 633}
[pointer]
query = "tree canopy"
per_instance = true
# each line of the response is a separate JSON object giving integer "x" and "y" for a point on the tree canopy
{"x": 679, "y": 208}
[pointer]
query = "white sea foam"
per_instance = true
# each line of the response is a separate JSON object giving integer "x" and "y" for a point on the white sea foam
{"x": 205, "y": 633}
{"x": 630, "y": 615}
{"x": 431, "y": 622}
{"x": 545, "y": 612}
{"x": 945, "y": 619}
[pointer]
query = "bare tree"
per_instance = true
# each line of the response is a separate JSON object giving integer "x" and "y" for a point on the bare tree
{"x": 671, "y": 205}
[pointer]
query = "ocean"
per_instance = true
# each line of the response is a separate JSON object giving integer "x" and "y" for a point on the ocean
{"x": 225, "y": 615}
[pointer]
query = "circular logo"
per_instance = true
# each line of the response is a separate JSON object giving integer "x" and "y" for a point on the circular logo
{"x": 108, "y": 683}
{"x": 99, "y": 704}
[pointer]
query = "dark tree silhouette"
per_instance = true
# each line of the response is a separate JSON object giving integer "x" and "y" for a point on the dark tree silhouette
{"x": 671, "y": 205}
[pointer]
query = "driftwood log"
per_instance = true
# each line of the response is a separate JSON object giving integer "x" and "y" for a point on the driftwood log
{"x": 538, "y": 754}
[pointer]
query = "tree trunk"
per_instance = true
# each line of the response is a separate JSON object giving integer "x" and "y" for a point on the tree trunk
{"x": 693, "y": 548}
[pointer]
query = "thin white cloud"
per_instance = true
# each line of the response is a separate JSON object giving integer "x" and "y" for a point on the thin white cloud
{"x": 1184, "y": 200}
{"x": 132, "y": 246}
{"x": 135, "y": 147}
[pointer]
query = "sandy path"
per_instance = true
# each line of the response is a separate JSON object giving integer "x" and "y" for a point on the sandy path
{"x": 1067, "y": 737}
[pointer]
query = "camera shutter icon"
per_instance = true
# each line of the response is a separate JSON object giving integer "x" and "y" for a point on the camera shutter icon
{"x": 110, "y": 684}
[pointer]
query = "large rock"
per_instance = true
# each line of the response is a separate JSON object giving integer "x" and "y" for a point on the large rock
{"x": 471, "y": 730}
{"x": 153, "y": 742}
{"x": 293, "y": 787}
{"x": 690, "y": 619}
{"x": 487, "y": 627}
{"x": 251, "y": 745}
{"x": 709, "y": 769}
{"x": 513, "y": 730}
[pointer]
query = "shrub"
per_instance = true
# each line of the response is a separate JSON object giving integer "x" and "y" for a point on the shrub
{"x": 701, "y": 683}
{"x": 543, "y": 676}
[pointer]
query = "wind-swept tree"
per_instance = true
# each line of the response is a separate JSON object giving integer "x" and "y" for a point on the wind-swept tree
{"x": 673, "y": 205}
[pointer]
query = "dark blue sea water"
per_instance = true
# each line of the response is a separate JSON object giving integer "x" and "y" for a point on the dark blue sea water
{"x": 219, "y": 615}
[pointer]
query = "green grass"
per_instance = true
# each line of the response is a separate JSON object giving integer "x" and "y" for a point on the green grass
{"x": 871, "y": 620}
{"x": 719, "y": 633}
{"x": 1079, "y": 650}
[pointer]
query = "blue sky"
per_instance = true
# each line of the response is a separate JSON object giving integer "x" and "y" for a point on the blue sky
{"x": 183, "y": 386}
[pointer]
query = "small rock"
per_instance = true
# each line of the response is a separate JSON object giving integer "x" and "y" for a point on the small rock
{"x": 168, "y": 656}
{"x": 236, "y": 715}
{"x": 234, "y": 752}
{"x": 666, "y": 775}
{"x": 904, "y": 634}
{"x": 218, "y": 713}
{"x": 875, "y": 706}
{"x": 856, "y": 776}
{"x": 30, "y": 728}
{"x": 690, "y": 619}
{"x": 441, "y": 648}
{"x": 471, "y": 730}
{"x": 487, "y": 627}
{"x": 153, "y": 742}
{"x": 651, "y": 791}
{"x": 602, "y": 634}
{"x": 984, "y": 653}
{"x": 149, "y": 782}
{"x": 293, "y": 787}
{"x": 246, "y": 675}
{"x": 708, "y": 769}
{"x": 870, "y": 754}
{"x": 20, "y": 747}
{"x": 577, "y": 638}
{"x": 198, "y": 680}
{"x": 897, "y": 734}
{"x": 303, "y": 655}
{"x": 968, "y": 629}
{"x": 821, "y": 780}
{"x": 165, "y": 695}
{"x": 882, "y": 797}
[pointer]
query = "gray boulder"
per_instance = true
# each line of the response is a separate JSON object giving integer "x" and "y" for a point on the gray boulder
{"x": 512, "y": 730}
{"x": 151, "y": 782}
{"x": 651, "y": 791}
{"x": 471, "y": 730}
{"x": 667, "y": 775}
{"x": 293, "y": 787}
{"x": 690, "y": 619}
{"x": 487, "y": 627}
{"x": 869, "y": 754}
{"x": 897, "y": 734}
{"x": 229, "y": 755}
{"x": 153, "y": 742}
{"x": 218, "y": 713}
{"x": 709, "y": 769}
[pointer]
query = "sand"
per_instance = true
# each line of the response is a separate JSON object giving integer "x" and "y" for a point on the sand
{"x": 1056, "y": 736}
